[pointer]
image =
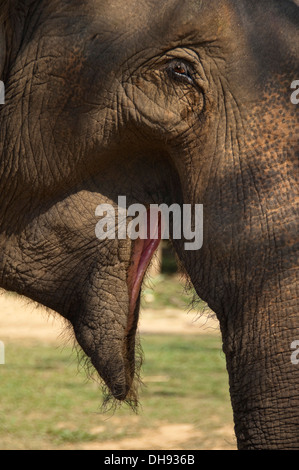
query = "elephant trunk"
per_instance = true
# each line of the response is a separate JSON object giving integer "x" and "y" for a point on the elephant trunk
{"x": 264, "y": 375}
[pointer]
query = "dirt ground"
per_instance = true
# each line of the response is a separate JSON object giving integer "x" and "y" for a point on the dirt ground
{"x": 23, "y": 320}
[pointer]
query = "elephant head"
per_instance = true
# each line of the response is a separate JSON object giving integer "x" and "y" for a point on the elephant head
{"x": 184, "y": 102}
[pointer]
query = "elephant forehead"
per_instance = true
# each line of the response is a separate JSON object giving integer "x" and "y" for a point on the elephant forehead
{"x": 138, "y": 14}
{"x": 147, "y": 23}
{"x": 99, "y": 36}
{"x": 170, "y": 19}
{"x": 111, "y": 31}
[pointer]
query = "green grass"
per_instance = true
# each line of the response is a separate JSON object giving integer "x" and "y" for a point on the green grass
{"x": 168, "y": 291}
{"x": 46, "y": 403}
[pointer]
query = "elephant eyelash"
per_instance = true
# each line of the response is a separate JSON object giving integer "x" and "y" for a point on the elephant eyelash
{"x": 179, "y": 71}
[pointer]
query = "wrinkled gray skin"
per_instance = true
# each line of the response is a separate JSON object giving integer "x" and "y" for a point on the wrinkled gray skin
{"x": 96, "y": 107}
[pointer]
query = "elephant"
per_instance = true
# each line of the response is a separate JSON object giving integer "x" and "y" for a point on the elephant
{"x": 173, "y": 102}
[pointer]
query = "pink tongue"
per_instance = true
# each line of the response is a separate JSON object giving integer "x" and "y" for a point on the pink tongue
{"x": 143, "y": 251}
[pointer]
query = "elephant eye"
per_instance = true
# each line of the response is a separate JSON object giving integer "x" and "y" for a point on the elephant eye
{"x": 180, "y": 71}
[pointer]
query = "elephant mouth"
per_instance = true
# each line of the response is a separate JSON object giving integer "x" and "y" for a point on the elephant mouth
{"x": 114, "y": 357}
{"x": 142, "y": 253}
